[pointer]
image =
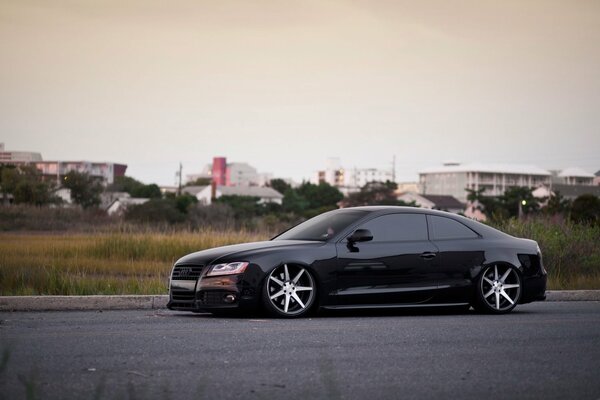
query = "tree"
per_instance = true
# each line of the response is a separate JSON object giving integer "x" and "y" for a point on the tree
{"x": 375, "y": 193}
{"x": 557, "y": 205}
{"x": 200, "y": 182}
{"x": 505, "y": 206}
{"x": 586, "y": 209}
{"x": 26, "y": 185}
{"x": 514, "y": 196}
{"x": 85, "y": 189}
{"x": 184, "y": 202}
{"x": 321, "y": 196}
{"x": 135, "y": 188}
{"x": 491, "y": 206}
{"x": 293, "y": 202}
{"x": 280, "y": 185}
{"x": 155, "y": 211}
{"x": 244, "y": 207}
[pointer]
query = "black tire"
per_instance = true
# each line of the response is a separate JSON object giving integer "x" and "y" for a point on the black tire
{"x": 499, "y": 289}
{"x": 289, "y": 291}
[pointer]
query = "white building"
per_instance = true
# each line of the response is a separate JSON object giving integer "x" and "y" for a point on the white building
{"x": 572, "y": 176}
{"x": 18, "y": 156}
{"x": 454, "y": 178}
{"x": 264, "y": 194}
{"x": 120, "y": 205}
{"x": 350, "y": 180}
{"x": 106, "y": 172}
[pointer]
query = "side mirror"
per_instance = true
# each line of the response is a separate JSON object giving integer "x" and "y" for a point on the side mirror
{"x": 360, "y": 235}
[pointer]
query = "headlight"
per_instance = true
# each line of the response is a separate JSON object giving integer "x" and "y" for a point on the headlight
{"x": 227, "y": 269}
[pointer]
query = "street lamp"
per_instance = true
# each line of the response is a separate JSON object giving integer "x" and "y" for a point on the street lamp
{"x": 522, "y": 203}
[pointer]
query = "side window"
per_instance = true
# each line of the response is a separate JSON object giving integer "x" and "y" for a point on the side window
{"x": 447, "y": 228}
{"x": 397, "y": 227}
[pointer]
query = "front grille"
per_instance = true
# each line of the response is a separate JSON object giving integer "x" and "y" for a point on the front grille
{"x": 182, "y": 295}
{"x": 212, "y": 298}
{"x": 186, "y": 272}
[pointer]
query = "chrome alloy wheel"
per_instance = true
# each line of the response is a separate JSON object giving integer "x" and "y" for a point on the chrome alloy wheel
{"x": 290, "y": 290}
{"x": 500, "y": 287}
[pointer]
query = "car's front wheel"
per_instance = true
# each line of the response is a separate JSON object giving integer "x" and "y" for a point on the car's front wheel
{"x": 289, "y": 291}
{"x": 499, "y": 289}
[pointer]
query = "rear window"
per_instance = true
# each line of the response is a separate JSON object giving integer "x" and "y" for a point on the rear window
{"x": 447, "y": 228}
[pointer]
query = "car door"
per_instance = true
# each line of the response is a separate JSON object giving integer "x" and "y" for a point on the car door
{"x": 460, "y": 256}
{"x": 397, "y": 266}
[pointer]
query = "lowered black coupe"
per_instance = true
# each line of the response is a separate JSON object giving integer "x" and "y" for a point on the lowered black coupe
{"x": 365, "y": 257}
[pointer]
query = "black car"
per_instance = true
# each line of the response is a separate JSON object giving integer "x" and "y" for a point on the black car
{"x": 365, "y": 257}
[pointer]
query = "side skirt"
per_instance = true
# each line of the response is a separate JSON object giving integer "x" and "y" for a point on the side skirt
{"x": 378, "y": 306}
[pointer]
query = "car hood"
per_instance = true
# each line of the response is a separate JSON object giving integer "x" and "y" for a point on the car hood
{"x": 244, "y": 250}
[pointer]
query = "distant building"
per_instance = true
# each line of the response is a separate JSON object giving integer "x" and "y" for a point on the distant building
{"x": 572, "y": 176}
{"x": 350, "y": 180}
{"x": 18, "y": 156}
{"x": 104, "y": 171}
{"x": 193, "y": 190}
{"x": 597, "y": 178}
{"x": 570, "y": 192}
{"x": 404, "y": 187}
{"x": 221, "y": 173}
{"x": 120, "y": 205}
{"x": 168, "y": 189}
{"x": 434, "y": 202}
{"x": 264, "y": 194}
{"x": 454, "y": 178}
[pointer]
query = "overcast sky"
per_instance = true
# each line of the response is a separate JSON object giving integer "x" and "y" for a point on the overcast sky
{"x": 283, "y": 85}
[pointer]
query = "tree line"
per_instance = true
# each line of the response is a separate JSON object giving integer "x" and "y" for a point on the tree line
{"x": 26, "y": 185}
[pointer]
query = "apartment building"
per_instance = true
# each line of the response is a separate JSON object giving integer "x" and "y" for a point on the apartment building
{"x": 454, "y": 178}
{"x": 222, "y": 173}
{"x": 104, "y": 171}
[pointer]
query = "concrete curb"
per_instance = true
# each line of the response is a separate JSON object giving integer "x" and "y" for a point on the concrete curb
{"x": 61, "y": 303}
{"x": 139, "y": 302}
{"x": 573, "y": 295}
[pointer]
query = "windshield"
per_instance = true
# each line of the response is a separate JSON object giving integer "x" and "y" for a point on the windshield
{"x": 322, "y": 227}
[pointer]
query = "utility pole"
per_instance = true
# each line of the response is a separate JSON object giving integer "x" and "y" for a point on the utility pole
{"x": 179, "y": 175}
{"x": 394, "y": 168}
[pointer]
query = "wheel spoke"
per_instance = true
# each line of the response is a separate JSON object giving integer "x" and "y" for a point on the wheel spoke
{"x": 510, "y": 285}
{"x": 488, "y": 293}
{"x": 287, "y": 303}
{"x": 495, "y": 272}
{"x": 277, "y": 294}
{"x": 277, "y": 281}
{"x": 303, "y": 288}
{"x": 505, "y": 275}
{"x": 488, "y": 281}
{"x": 295, "y": 280}
{"x": 287, "y": 273}
{"x": 497, "y": 300}
{"x": 506, "y": 296}
{"x": 295, "y": 296}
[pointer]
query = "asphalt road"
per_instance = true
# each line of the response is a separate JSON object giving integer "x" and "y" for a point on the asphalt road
{"x": 541, "y": 350}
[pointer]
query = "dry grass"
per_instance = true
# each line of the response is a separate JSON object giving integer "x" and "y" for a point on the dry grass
{"x": 140, "y": 262}
{"x": 83, "y": 264}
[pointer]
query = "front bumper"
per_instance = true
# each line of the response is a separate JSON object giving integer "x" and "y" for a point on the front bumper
{"x": 212, "y": 293}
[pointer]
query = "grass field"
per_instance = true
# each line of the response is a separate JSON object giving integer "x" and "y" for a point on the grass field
{"x": 140, "y": 263}
{"x": 86, "y": 264}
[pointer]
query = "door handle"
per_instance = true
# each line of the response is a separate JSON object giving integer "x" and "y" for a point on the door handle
{"x": 428, "y": 255}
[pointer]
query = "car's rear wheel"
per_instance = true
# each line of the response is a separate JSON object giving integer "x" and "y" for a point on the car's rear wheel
{"x": 289, "y": 291}
{"x": 499, "y": 289}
